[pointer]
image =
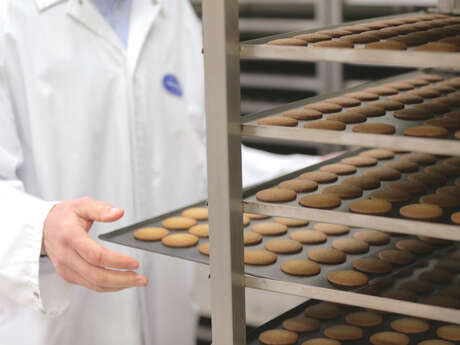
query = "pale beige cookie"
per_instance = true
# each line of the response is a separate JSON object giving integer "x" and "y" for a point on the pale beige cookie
{"x": 301, "y": 324}
{"x": 403, "y": 166}
{"x": 287, "y": 42}
{"x": 441, "y": 200}
{"x": 291, "y": 222}
{"x": 323, "y": 311}
{"x": 389, "y": 338}
{"x": 362, "y": 95}
{"x": 278, "y": 337}
{"x": 373, "y": 237}
{"x": 299, "y": 185}
{"x": 421, "y": 211}
{"x": 204, "y": 249}
{"x": 339, "y": 169}
{"x": 326, "y": 255}
{"x": 319, "y": 176}
{"x": 308, "y": 236}
{"x": 414, "y": 246}
{"x": 332, "y": 229}
{"x": 364, "y": 319}
{"x": 180, "y": 240}
{"x": 150, "y": 234}
{"x": 259, "y": 257}
{"x": 178, "y": 223}
{"x": 198, "y": 213}
{"x": 372, "y": 265}
{"x": 344, "y": 191}
{"x": 251, "y": 238}
{"x": 344, "y": 332}
{"x": 363, "y": 182}
{"x": 343, "y": 101}
{"x": 391, "y": 195}
{"x": 300, "y": 267}
{"x": 384, "y": 174}
{"x": 200, "y": 230}
{"x": 324, "y": 107}
{"x": 323, "y": 201}
{"x": 374, "y": 207}
{"x": 303, "y": 114}
{"x": 278, "y": 121}
{"x": 276, "y": 195}
{"x": 426, "y": 131}
{"x": 283, "y": 246}
{"x": 350, "y": 245}
{"x": 359, "y": 161}
{"x": 325, "y": 124}
{"x": 410, "y": 325}
{"x": 347, "y": 278}
{"x": 256, "y": 216}
{"x": 382, "y": 90}
{"x": 270, "y": 228}
{"x": 449, "y": 332}
{"x": 397, "y": 257}
{"x": 378, "y": 154}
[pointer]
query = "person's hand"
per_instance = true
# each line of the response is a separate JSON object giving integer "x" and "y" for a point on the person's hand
{"x": 78, "y": 258}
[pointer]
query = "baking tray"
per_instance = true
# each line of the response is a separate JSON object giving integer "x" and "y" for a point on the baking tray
{"x": 340, "y": 215}
{"x": 258, "y": 49}
{"x": 449, "y": 145}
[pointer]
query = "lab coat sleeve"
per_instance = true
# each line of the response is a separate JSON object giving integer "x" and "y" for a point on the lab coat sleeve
{"x": 22, "y": 215}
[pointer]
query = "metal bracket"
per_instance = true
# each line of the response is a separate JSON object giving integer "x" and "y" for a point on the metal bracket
{"x": 449, "y": 6}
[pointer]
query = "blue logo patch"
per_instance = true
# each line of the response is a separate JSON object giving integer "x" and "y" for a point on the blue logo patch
{"x": 172, "y": 85}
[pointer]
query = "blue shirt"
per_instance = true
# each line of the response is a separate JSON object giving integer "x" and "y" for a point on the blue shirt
{"x": 117, "y": 13}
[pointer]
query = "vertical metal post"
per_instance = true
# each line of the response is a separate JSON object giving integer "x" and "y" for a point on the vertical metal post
{"x": 222, "y": 78}
{"x": 449, "y": 6}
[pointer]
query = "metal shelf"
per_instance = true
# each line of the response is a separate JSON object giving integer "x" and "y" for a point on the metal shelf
{"x": 250, "y": 128}
{"x": 258, "y": 49}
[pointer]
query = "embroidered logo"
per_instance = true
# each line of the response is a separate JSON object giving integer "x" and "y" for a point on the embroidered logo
{"x": 172, "y": 85}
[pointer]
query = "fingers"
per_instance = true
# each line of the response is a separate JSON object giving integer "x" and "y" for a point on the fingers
{"x": 99, "y": 211}
{"x": 96, "y": 255}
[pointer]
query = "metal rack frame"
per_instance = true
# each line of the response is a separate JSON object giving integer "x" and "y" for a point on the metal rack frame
{"x": 222, "y": 56}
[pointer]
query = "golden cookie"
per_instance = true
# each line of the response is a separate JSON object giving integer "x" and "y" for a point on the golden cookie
{"x": 259, "y": 257}
{"x": 410, "y": 187}
{"x": 421, "y": 211}
{"x": 414, "y": 246}
{"x": 443, "y": 169}
{"x": 319, "y": 176}
{"x": 200, "y": 230}
{"x": 350, "y": 245}
{"x": 363, "y": 182}
{"x": 443, "y": 301}
{"x": 256, "y": 216}
{"x": 300, "y": 267}
{"x": 324, "y": 107}
{"x": 251, "y": 238}
{"x": 373, "y": 237}
{"x": 374, "y": 207}
{"x": 455, "y": 218}
{"x": 403, "y": 166}
{"x": 299, "y": 185}
{"x": 323, "y": 311}
{"x": 303, "y": 114}
{"x": 343, "y": 101}
{"x": 426, "y": 131}
{"x": 435, "y": 342}
{"x": 437, "y": 276}
{"x": 321, "y": 341}
{"x": 347, "y": 278}
{"x": 362, "y": 96}
{"x": 437, "y": 47}
{"x": 308, "y": 236}
{"x": 406, "y": 98}
{"x": 332, "y": 229}
{"x": 150, "y": 234}
{"x": 334, "y": 32}
{"x": 326, "y": 255}
{"x": 198, "y": 213}
{"x": 374, "y": 128}
{"x": 364, "y": 319}
{"x": 301, "y": 324}
{"x": 334, "y": 44}
{"x": 397, "y": 257}
{"x": 444, "y": 122}
{"x": 180, "y": 240}
{"x": 338, "y": 169}
{"x": 384, "y": 174}
{"x": 313, "y": 38}
{"x": 418, "y": 286}
{"x": 434, "y": 108}
{"x": 391, "y": 195}
{"x": 410, "y": 325}
{"x": 325, "y": 124}
{"x": 378, "y": 154}
{"x": 372, "y": 265}
{"x": 344, "y": 191}
{"x": 449, "y": 332}
{"x": 178, "y": 223}
{"x": 427, "y": 179}
{"x": 386, "y": 105}
{"x": 347, "y": 117}
{"x": 287, "y": 42}
{"x": 389, "y": 338}
{"x": 387, "y": 45}
{"x": 359, "y": 161}
{"x": 278, "y": 121}
{"x": 344, "y": 332}
{"x": 382, "y": 90}
{"x": 323, "y": 201}
{"x": 278, "y": 337}
{"x": 291, "y": 222}
{"x": 283, "y": 246}
{"x": 441, "y": 200}
{"x": 270, "y": 228}
{"x": 276, "y": 195}
{"x": 412, "y": 114}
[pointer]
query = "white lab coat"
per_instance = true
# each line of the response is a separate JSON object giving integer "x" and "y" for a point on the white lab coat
{"x": 82, "y": 116}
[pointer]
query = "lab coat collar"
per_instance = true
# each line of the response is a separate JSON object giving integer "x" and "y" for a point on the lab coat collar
{"x": 45, "y": 4}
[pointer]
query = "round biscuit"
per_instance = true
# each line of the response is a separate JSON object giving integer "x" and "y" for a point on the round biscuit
{"x": 259, "y": 257}
{"x": 410, "y": 325}
{"x": 364, "y": 319}
{"x": 389, "y": 338}
{"x": 372, "y": 265}
{"x": 278, "y": 337}
{"x": 198, "y": 213}
{"x": 374, "y": 207}
{"x": 347, "y": 278}
{"x": 396, "y": 257}
{"x": 278, "y": 121}
{"x": 372, "y": 237}
{"x": 299, "y": 185}
{"x": 331, "y": 229}
{"x": 326, "y": 255}
{"x": 300, "y": 267}
{"x": 319, "y": 176}
{"x": 308, "y": 236}
{"x": 323, "y": 311}
{"x": 291, "y": 222}
{"x": 276, "y": 195}
{"x": 283, "y": 246}
{"x": 200, "y": 230}
{"x": 322, "y": 201}
{"x": 350, "y": 245}
{"x": 325, "y": 124}
{"x": 303, "y": 114}
{"x": 178, "y": 223}
{"x": 180, "y": 240}
{"x": 421, "y": 211}
{"x": 269, "y": 228}
{"x": 150, "y": 234}
{"x": 301, "y": 324}
{"x": 251, "y": 238}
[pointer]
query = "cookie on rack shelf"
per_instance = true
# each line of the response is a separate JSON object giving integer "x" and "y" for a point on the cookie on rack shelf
{"x": 414, "y": 246}
{"x": 364, "y": 319}
{"x": 343, "y": 101}
{"x": 322, "y": 201}
{"x": 300, "y": 267}
{"x": 391, "y": 195}
{"x": 339, "y": 169}
{"x": 331, "y": 125}
{"x": 344, "y": 191}
{"x": 363, "y": 182}
{"x": 381, "y": 90}
{"x": 323, "y": 311}
{"x": 278, "y": 337}
{"x": 455, "y": 218}
{"x": 420, "y": 158}
{"x": 178, "y": 223}
{"x": 251, "y": 238}
{"x": 331, "y": 229}
{"x": 351, "y": 245}
{"x": 347, "y": 117}
{"x": 150, "y": 234}
{"x": 402, "y": 295}
{"x": 301, "y": 324}
{"x": 256, "y": 216}
{"x": 410, "y": 325}
{"x": 441, "y": 200}
{"x": 449, "y": 332}
{"x": 396, "y": 257}
{"x": 444, "y": 122}
{"x": 412, "y": 114}
{"x": 426, "y": 131}
{"x": 387, "y": 45}
{"x": 403, "y": 166}
{"x": 427, "y": 179}
{"x": 374, "y": 128}
{"x": 347, "y": 278}
{"x": 435, "y": 342}
{"x": 313, "y": 37}
{"x": 384, "y": 174}
{"x": 303, "y": 114}
{"x": 372, "y": 237}
{"x": 291, "y": 222}
{"x": 278, "y": 121}
{"x": 435, "y": 108}
{"x": 443, "y": 301}
{"x": 329, "y": 256}
{"x": 200, "y": 230}
{"x": 321, "y": 341}
{"x": 372, "y": 265}
{"x": 276, "y": 195}
{"x": 437, "y": 47}
{"x": 319, "y": 176}
{"x": 299, "y": 185}
{"x": 421, "y": 211}
{"x": 287, "y": 42}
{"x": 406, "y": 98}
{"x": 359, "y": 161}
{"x": 344, "y": 332}
{"x": 324, "y": 107}
{"x": 386, "y": 105}
{"x": 198, "y": 213}
{"x": 269, "y": 228}
{"x": 259, "y": 257}
{"x": 378, "y": 154}
{"x": 283, "y": 246}
{"x": 371, "y": 207}
{"x": 180, "y": 240}
{"x": 308, "y": 236}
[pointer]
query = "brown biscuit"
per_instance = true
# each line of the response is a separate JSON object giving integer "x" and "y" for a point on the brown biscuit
{"x": 300, "y": 267}
{"x": 386, "y": 105}
{"x": 180, "y": 240}
{"x": 321, "y": 341}
{"x": 400, "y": 85}
{"x": 251, "y": 238}
{"x": 421, "y": 211}
{"x": 347, "y": 278}
{"x": 437, "y": 47}
{"x": 447, "y": 100}
{"x": 278, "y": 337}
{"x": 429, "y": 179}
{"x": 256, "y": 216}
{"x": 259, "y": 257}
{"x": 443, "y": 301}
{"x": 427, "y": 92}
{"x": 387, "y": 45}
{"x": 334, "y": 32}
{"x": 416, "y": 81}
{"x": 331, "y": 229}
{"x": 373, "y": 237}
{"x": 455, "y": 82}
{"x": 308, "y": 236}
{"x": 278, "y": 121}
{"x": 455, "y": 218}
{"x": 410, "y": 325}
{"x": 364, "y": 319}
{"x": 198, "y": 213}
{"x": 403, "y": 166}
{"x": 451, "y": 266}
{"x": 319, "y": 176}
{"x": 178, "y": 223}
{"x": 291, "y": 222}
{"x": 303, "y": 114}
{"x": 414, "y": 246}
{"x": 364, "y": 37}
{"x": 437, "y": 276}
{"x": 454, "y": 161}
{"x": 344, "y": 191}
{"x": 418, "y": 286}
{"x": 453, "y": 115}
{"x": 372, "y": 265}
{"x": 349, "y": 116}
{"x": 323, "y": 311}
{"x": 325, "y": 124}
{"x": 391, "y": 195}
{"x": 344, "y": 332}
{"x": 382, "y": 90}
{"x": 444, "y": 122}
{"x": 324, "y": 107}
{"x": 378, "y": 154}
{"x": 150, "y": 234}
{"x": 359, "y": 161}
{"x": 374, "y": 207}
{"x": 443, "y": 87}
{"x": 339, "y": 169}
{"x": 449, "y": 332}
{"x": 283, "y": 246}
{"x": 287, "y": 42}
{"x": 363, "y": 96}
{"x": 384, "y": 174}
{"x": 420, "y": 158}
{"x": 200, "y": 230}
{"x": 434, "y": 108}
{"x": 441, "y": 200}
{"x": 433, "y": 241}
{"x": 299, "y": 185}
{"x": 324, "y": 201}
{"x": 426, "y": 131}
{"x": 246, "y": 220}
{"x": 363, "y": 182}
{"x": 313, "y": 38}
{"x": 276, "y": 195}
{"x": 205, "y": 249}
{"x": 301, "y": 324}
{"x": 411, "y": 114}
{"x": 374, "y": 128}
{"x": 431, "y": 77}
{"x": 343, "y": 101}
{"x": 369, "y": 111}
{"x": 397, "y": 257}
{"x": 350, "y": 245}
{"x": 406, "y": 98}
{"x": 402, "y": 295}
{"x": 269, "y": 228}
{"x": 410, "y": 187}
{"x": 326, "y": 255}
{"x": 435, "y": 342}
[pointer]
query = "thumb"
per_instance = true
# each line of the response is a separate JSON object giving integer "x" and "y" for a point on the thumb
{"x": 94, "y": 210}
